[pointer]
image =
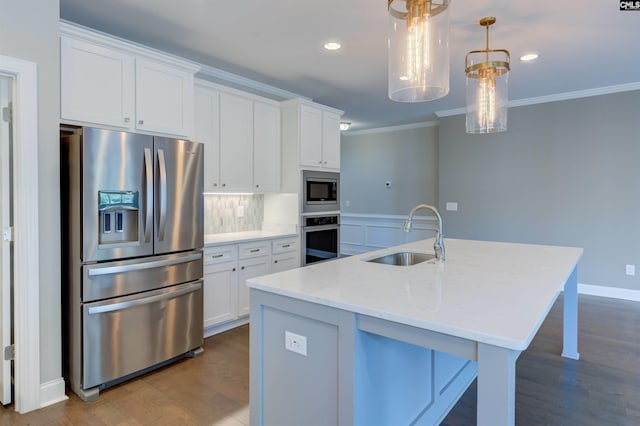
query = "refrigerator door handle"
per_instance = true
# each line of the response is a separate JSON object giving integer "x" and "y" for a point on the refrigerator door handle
{"x": 148, "y": 167}
{"x": 164, "y": 295}
{"x": 163, "y": 194}
{"x": 141, "y": 266}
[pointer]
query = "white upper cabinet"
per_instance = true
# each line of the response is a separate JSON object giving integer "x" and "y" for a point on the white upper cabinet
{"x": 236, "y": 143}
{"x": 241, "y": 133}
{"x": 164, "y": 98}
{"x": 97, "y": 84}
{"x": 310, "y": 136}
{"x": 310, "y": 140}
{"x": 312, "y": 132}
{"x": 107, "y": 82}
{"x": 266, "y": 147}
{"x": 207, "y": 130}
{"x": 330, "y": 140}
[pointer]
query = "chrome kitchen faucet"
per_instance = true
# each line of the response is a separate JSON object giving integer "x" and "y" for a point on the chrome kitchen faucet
{"x": 438, "y": 245}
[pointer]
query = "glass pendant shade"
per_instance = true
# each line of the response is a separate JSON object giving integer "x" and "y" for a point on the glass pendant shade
{"x": 487, "y": 87}
{"x": 418, "y": 50}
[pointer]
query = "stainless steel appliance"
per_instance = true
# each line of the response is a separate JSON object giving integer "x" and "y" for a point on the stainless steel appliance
{"x": 320, "y": 191}
{"x": 132, "y": 218}
{"x": 320, "y": 238}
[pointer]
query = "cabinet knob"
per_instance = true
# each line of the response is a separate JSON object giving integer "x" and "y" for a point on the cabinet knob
{"x": 320, "y": 162}
{"x": 257, "y": 186}
{"x": 275, "y": 261}
{"x": 140, "y": 121}
{"x": 324, "y": 162}
{"x": 215, "y": 184}
{"x": 127, "y": 119}
{"x": 224, "y": 184}
{"x": 242, "y": 267}
{"x": 233, "y": 270}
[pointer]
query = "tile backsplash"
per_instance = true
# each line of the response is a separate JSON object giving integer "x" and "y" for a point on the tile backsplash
{"x": 221, "y": 213}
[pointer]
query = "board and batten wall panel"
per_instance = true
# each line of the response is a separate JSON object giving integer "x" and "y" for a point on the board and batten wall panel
{"x": 407, "y": 157}
{"x": 565, "y": 173}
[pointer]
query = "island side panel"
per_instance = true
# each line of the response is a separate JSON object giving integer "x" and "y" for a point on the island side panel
{"x": 570, "y": 317}
{"x": 288, "y": 388}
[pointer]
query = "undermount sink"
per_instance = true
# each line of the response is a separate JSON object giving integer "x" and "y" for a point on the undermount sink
{"x": 402, "y": 258}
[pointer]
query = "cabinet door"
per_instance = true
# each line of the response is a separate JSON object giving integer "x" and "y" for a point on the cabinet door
{"x": 248, "y": 269}
{"x": 284, "y": 262}
{"x": 266, "y": 147}
{"x": 164, "y": 99}
{"x": 310, "y": 136}
{"x": 330, "y": 140}
{"x": 219, "y": 290}
{"x": 97, "y": 84}
{"x": 207, "y": 131}
{"x": 236, "y": 143}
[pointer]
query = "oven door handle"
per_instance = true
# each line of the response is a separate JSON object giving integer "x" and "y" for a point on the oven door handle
{"x": 308, "y": 229}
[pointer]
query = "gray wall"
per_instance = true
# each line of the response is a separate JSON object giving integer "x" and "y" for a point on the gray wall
{"x": 29, "y": 30}
{"x": 565, "y": 173}
{"x": 408, "y": 158}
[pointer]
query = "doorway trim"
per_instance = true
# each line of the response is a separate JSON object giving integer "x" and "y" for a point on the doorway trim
{"x": 26, "y": 289}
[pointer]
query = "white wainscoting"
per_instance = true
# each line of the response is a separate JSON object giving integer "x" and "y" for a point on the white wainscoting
{"x": 360, "y": 233}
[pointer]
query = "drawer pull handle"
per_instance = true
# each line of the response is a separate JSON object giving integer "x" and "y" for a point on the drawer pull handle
{"x": 286, "y": 245}
{"x": 255, "y": 250}
{"x": 216, "y": 256}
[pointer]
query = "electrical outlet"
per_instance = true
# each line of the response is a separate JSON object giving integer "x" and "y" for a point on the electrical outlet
{"x": 630, "y": 269}
{"x": 295, "y": 343}
{"x": 452, "y": 206}
{"x": 240, "y": 211}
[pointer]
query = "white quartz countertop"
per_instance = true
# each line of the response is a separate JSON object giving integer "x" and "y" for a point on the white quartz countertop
{"x": 495, "y": 293}
{"x": 245, "y": 236}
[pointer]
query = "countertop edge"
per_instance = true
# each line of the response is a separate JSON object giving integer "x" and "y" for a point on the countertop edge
{"x": 215, "y": 240}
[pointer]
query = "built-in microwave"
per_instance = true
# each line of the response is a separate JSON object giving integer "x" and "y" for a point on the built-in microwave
{"x": 320, "y": 191}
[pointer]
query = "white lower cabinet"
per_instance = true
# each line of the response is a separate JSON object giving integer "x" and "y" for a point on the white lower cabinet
{"x": 284, "y": 254}
{"x": 253, "y": 262}
{"x": 220, "y": 293}
{"x": 227, "y": 269}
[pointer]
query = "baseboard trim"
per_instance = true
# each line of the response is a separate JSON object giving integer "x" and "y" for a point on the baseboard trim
{"x": 611, "y": 292}
{"x": 217, "y": 329}
{"x": 52, "y": 392}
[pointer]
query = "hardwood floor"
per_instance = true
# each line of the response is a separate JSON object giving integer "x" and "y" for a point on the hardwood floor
{"x": 212, "y": 389}
{"x": 602, "y": 388}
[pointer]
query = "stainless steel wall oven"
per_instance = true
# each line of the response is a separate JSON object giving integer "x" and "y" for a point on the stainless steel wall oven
{"x": 320, "y": 238}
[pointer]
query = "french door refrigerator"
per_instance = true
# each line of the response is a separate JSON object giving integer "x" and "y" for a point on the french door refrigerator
{"x": 132, "y": 220}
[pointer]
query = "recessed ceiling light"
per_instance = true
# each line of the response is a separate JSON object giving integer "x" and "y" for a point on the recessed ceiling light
{"x": 332, "y": 45}
{"x": 529, "y": 57}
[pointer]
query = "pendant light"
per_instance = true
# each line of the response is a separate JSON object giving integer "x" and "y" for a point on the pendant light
{"x": 418, "y": 49}
{"x": 487, "y": 87}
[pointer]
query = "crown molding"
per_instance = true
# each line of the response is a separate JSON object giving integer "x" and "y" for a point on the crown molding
{"x": 220, "y": 76}
{"x": 77, "y": 31}
{"x": 607, "y": 90}
{"x": 392, "y": 128}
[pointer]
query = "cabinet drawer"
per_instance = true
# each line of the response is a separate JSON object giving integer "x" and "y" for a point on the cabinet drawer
{"x": 284, "y": 245}
{"x": 219, "y": 254}
{"x": 249, "y": 250}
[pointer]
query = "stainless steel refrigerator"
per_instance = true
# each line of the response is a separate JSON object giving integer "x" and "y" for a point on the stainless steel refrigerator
{"x": 132, "y": 220}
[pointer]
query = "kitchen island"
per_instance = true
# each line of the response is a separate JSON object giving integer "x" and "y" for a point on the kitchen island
{"x": 370, "y": 343}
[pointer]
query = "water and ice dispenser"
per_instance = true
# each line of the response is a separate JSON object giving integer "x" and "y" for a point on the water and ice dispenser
{"x": 119, "y": 212}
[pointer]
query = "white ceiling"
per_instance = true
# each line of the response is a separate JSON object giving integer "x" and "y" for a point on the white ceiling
{"x": 583, "y": 44}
